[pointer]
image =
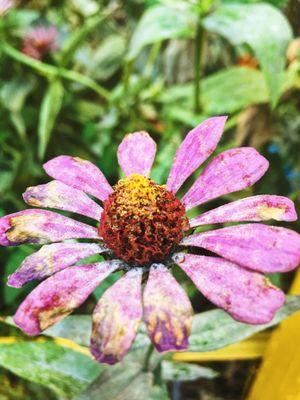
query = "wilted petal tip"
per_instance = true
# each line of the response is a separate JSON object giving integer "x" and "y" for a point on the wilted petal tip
{"x": 14, "y": 282}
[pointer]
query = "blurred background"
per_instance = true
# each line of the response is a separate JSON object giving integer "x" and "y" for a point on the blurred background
{"x": 77, "y": 75}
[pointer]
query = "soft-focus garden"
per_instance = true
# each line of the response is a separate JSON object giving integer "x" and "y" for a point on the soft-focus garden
{"x": 76, "y": 77}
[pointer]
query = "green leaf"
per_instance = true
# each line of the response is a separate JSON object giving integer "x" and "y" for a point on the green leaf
{"x": 125, "y": 381}
{"x": 216, "y": 329}
{"x": 64, "y": 371}
{"x": 211, "y": 330}
{"x": 233, "y": 89}
{"x": 19, "y": 20}
{"x": 227, "y": 91}
{"x": 79, "y": 327}
{"x": 75, "y": 327}
{"x": 77, "y": 37}
{"x": 14, "y": 260}
{"x": 109, "y": 281}
{"x": 50, "y": 108}
{"x": 85, "y": 7}
{"x": 51, "y": 72}
{"x": 103, "y": 62}
{"x": 261, "y": 26}
{"x": 13, "y": 95}
{"x": 166, "y": 21}
{"x": 178, "y": 371}
{"x": 165, "y": 157}
{"x": 14, "y": 92}
{"x": 159, "y": 392}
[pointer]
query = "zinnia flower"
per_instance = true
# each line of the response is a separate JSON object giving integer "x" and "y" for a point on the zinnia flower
{"x": 40, "y": 41}
{"x": 5, "y": 6}
{"x": 143, "y": 230}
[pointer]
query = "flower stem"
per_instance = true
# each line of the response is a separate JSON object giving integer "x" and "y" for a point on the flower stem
{"x": 147, "y": 358}
{"x": 198, "y": 59}
{"x": 52, "y": 72}
{"x": 151, "y": 59}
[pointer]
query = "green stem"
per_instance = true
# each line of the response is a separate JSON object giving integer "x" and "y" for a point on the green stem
{"x": 151, "y": 59}
{"x": 126, "y": 76}
{"x": 85, "y": 81}
{"x": 51, "y": 72}
{"x": 198, "y": 65}
{"x": 75, "y": 40}
{"x": 147, "y": 358}
{"x": 44, "y": 69}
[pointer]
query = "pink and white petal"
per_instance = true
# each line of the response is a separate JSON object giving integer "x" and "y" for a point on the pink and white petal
{"x": 59, "y": 295}
{"x": 136, "y": 153}
{"x": 247, "y": 296}
{"x": 42, "y": 226}
{"x": 228, "y": 172}
{"x": 56, "y": 194}
{"x": 197, "y": 146}
{"x": 167, "y": 310}
{"x": 259, "y": 247}
{"x": 50, "y": 259}
{"x": 116, "y": 318}
{"x": 256, "y": 208}
{"x": 79, "y": 174}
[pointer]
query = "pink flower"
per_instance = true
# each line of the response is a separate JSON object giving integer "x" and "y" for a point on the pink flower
{"x": 40, "y": 41}
{"x": 144, "y": 231}
{"x": 5, "y": 6}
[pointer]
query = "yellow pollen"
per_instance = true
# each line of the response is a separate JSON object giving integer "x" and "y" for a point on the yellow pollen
{"x": 137, "y": 196}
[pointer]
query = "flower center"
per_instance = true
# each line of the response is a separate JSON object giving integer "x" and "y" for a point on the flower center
{"x": 142, "y": 222}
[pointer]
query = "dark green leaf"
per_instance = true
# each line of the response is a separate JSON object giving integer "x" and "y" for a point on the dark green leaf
{"x": 14, "y": 260}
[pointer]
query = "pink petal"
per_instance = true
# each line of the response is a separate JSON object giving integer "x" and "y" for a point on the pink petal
{"x": 197, "y": 146}
{"x": 116, "y": 318}
{"x": 50, "y": 259}
{"x": 167, "y": 310}
{"x": 59, "y": 295}
{"x": 56, "y": 194}
{"x": 247, "y": 296}
{"x": 256, "y": 208}
{"x": 41, "y": 226}
{"x": 228, "y": 172}
{"x": 256, "y": 246}
{"x": 80, "y": 174}
{"x": 136, "y": 153}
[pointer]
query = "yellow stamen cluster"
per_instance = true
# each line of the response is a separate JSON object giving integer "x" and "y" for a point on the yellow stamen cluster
{"x": 137, "y": 196}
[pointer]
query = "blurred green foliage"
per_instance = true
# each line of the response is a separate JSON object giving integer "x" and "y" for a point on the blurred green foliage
{"x": 161, "y": 66}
